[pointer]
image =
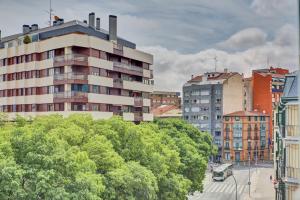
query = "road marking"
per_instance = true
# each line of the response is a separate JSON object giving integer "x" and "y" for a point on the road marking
{"x": 230, "y": 189}
{"x": 213, "y": 187}
{"x": 208, "y": 187}
{"x": 223, "y": 188}
{"x": 217, "y": 188}
{"x": 240, "y": 190}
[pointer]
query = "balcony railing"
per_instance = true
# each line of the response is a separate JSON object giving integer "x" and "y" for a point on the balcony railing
{"x": 71, "y": 76}
{"x": 138, "y": 116}
{"x": 128, "y": 66}
{"x": 292, "y": 130}
{"x": 118, "y": 83}
{"x": 292, "y": 174}
{"x": 70, "y": 96}
{"x": 71, "y": 59}
{"x": 239, "y": 148}
{"x": 138, "y": 101}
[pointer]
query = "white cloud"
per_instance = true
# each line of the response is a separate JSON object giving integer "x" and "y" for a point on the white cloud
{"x": 172, "y": 69}
{"x": 244, "y": 39}
{"x": 273, "y": 7}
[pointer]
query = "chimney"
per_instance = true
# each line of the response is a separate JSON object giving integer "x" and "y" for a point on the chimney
{"x": 113, "y": 28}
{"x": 92, "y": 20}
{"x": 225, "y": 70}
{"x": 34, "y": 27}
{"x": 26, "y": 29}
{"x": 98, "y": 23}
{"x": 192, "y": 76}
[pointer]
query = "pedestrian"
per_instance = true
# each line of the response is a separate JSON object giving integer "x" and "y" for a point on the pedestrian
{"x": 271, "y": 177}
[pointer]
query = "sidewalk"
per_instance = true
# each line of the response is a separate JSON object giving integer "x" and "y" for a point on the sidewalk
{"x": 261, "y": 188}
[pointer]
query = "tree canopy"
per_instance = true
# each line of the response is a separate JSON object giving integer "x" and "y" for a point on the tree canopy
{"x": 51, "y": 157}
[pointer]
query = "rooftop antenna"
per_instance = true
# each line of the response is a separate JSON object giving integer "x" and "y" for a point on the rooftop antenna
{"x": 50, "y": 12}
{"x": 216, "y": 60}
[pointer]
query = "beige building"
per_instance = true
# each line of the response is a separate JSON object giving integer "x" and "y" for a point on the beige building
{"x": 74, "y": 67}
{"x": 248, "y": 94}
{"x": 287, "y": 141}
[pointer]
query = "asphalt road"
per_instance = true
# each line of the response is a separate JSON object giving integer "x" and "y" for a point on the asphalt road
{"x": 225, "y": 190}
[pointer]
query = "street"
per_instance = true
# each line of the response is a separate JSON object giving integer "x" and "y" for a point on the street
{"x": 226, "y": 190}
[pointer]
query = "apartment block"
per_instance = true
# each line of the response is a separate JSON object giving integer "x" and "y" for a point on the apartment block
{"x": 287, "y": 141}
{"x": 246, "y": 136}
{"x": 159, "y": 98}
{"x": 248, "y": 94}
{"x": 74, "y": 67}
{"x": 267, "y": 89}
{"x": 207, "y": 97}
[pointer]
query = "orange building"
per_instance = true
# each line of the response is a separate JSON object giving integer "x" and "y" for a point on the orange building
{"x": 267, "y": 89}
{"x": 246, "y": 133}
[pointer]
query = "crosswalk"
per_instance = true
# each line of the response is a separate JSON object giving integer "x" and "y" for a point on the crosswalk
{"x": 216, "y": 187}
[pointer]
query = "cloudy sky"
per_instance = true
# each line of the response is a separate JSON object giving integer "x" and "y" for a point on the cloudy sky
{"x": 183, "y": 35}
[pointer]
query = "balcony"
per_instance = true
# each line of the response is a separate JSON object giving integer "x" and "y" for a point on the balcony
{"x": 118, "y": 83}
{"x": 237, "y": 148}
{"x": 292, "y": 175}
{"x": 138, "y": 102}
{"x": 138, "y": 116}
{"x": 226, "y": 148}
{"x": 256, "y": 138}
{"x": 226, "y": 137}
{"x": 70, "y": 96}
{"x": 69, "y": 78}
{"x": 70, "y": 59}
{"x": 128, "y": 68}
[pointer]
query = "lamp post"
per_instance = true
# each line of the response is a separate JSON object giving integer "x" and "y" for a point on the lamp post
{"x": 249, "y": 181}
{"x": 235, "y": 186}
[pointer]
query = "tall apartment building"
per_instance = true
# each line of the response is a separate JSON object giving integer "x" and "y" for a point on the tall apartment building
{"x": 267, "y": 90}
{"x": 74, "y": 67}
{"x": 246, "y": 133}
{"x": 159, "y": 98}
{"x": 206, "y": 98}
{"x": 287, "y": 141}
{"x": 248, "y": 94}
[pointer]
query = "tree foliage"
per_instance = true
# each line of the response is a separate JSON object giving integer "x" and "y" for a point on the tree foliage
{"x": 52, "y": 157}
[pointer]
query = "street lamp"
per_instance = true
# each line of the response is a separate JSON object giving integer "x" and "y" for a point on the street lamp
{"x": 249, "y": 182}
{"x": 235, "y": 186}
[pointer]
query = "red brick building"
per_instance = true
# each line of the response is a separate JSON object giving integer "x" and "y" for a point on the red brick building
{"x": 246, "y": 133}
{"x": 267, "y": 89}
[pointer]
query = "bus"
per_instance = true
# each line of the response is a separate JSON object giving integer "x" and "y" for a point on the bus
{"x": 221, "y": 172}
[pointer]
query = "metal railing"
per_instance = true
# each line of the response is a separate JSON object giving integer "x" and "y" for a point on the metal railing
{"x": 293, "y": 173}
{"x": 71, "y": 57}
{"x": 128, "y": 66}
{"x": 71, "y": 76}
{"x": 70, "y": 94}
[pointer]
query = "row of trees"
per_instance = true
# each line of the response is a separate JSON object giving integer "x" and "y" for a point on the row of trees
{"x": 55, "y": 158}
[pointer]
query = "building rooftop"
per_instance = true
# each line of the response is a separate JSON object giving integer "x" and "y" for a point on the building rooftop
{"x": 74, "y": 26}
{"x": 212, "y": 76}
{"x": 166, "y": 93}
{"x": 167, "y": 111}
{"x": 246, "y": 113}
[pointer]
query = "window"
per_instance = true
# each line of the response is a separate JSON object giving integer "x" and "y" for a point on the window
{"x": 195, "y": 109}
{"x": 218, "y": 100}
{"x": 218, "y": 117}
{"x": 195, "y": 92}
{"x": 227, "y": 156}
{"x": 227, "y": 118}
{"x": 255, "y": 118}
{"x": 237, "y": 118}
{"x": 187, "y": 109}
{"x": 217, "y": 133}
{"x": 249, "y": 118}
{"x": 262, "y": 118}
{"x": 204, "y": 117}
{"x": 204, "y": 92}
{"x": 204, "y": 101}
{"x": 218, "y": 108}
